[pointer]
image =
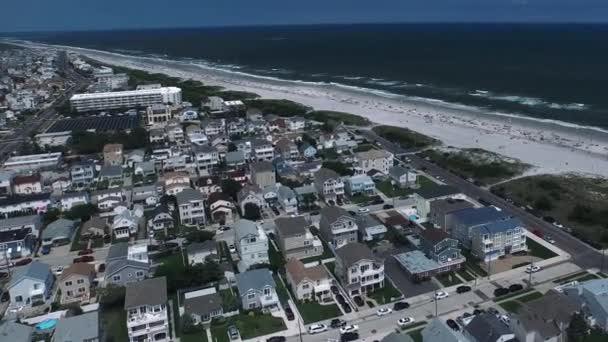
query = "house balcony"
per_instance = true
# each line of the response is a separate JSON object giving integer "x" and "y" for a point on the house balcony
{"x": 269, "y": 300}
{"x": 146, "y": 318}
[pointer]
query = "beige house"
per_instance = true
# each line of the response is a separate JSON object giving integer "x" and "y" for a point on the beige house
{"x": 358, "y": 270}
{"x": 262, "y": 174}
{"x": 373, "y": 159}
{"x": 295, "y": 240}
{"x": 312, "y": 283}
{"x": 75, "y": 283}
{"x": 113, "y": 154}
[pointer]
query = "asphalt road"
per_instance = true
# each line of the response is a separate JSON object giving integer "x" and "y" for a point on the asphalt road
{"x": 582, "y": 254}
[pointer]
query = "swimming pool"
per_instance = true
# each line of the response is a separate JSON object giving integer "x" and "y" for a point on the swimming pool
{"x": 46, "y": 324}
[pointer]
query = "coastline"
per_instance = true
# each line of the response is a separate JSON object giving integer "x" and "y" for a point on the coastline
{"x": 551, "y": 147}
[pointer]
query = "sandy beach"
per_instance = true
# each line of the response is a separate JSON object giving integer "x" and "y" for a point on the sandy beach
{"x": 550, "y": 147}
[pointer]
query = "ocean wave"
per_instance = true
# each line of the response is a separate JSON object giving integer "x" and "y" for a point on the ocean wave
{"x": 352, "y": 78}
{"x": 529, "y": 101}
{"x": 384, "y": 83}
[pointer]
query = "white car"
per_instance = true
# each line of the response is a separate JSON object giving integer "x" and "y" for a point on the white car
{"x": 57, "y": 270}
{"x": 441, "y": 295}
{"x": 384, "y": 311}
{"x": 232, "y": 249}
{"x": 317, "y": 328}
{"x": 549, "y": 240}
{"x": 349, "y": 328}
{"x": 363, "y": 210}
{"x": 402, "y": 322}
{"x": 532, "y": 269}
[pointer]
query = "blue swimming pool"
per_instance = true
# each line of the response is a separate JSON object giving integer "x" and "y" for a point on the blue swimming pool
{"x": 46, "y": 324}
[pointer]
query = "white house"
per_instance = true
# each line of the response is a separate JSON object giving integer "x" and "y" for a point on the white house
{"x": 73, "y": 199}
{"x": 251, "y": 244}
{"x": 125, "y": 224}
{"x": 191, "y": 207}
{"x": 312, "y": 283}
{"x": 30, "y": 284}
{"x": 373, "y": 159}
{"x": 146, "y": 306}
{"x": 358, "y": 269}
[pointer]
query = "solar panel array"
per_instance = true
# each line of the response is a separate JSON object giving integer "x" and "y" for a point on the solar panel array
{"x": 98, "y": 123}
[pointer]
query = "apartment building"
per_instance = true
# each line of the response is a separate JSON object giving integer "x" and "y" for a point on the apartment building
{"x": 33, "y": 162}
{"x": 146, "y": 306}
{"x": 496, "y": 239}
{"x": 206, "y": 158}
{"x": 158, "y": 114}
{"x": 373, "y": 159}
{"x": 191, "y": 207}
{"x": 126, "y": 99}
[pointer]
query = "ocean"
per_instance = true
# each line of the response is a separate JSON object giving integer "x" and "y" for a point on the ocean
{"x": 548, "y": 72}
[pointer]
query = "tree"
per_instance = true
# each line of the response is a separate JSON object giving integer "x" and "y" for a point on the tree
{"x": 188, "y": 325}
{"x": 231, "y": 147}
{"x": 231, "y": 188}
{"x": 199, "y": 235}
{"x": 81, "y": 211}
{"x": 340, "y": 168}
{"x": 578, "y": 329}
{"x": 111, "y": 295}
{"x": 252, "y": 212}
{"x": 50, "y": 216}
{"x": 308, "y": 200}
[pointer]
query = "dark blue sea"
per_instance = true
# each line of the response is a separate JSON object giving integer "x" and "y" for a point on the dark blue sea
{"x": 556, "y": 72}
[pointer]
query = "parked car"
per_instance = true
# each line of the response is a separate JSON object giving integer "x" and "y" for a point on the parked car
{"x": 316, "y": 328}
{"x": 359, "y": 300}
{"x": 223, "y": 229}
{"x": 233, "y": 333}
{"x": 337, "y": 323}
{"x": 549, "y": 240}
{"x": 441, "y": 295}
{"x": 349, "y": 337}
{"x": 46, "y": 249}
{"x": 349, "y": 329}
{"x": 85, "y": 252}
{"x": 101, "y": 268}
{"x": 171, "y": 245}
{"x": 532, "y": 269}
{"x": 516, "y": 287}
{"x": 289, "y": 314}
{"x": 334, "y": 290}
{"x": 346, "y": 307}
{"x": 452, "y": 324}
{"x": 85, "y": 258}
{"x": 383, "y": 311}
{"x": 402, "y": 322}
{"x": 57, "y": 270}
{"x": 501, "y": 291}
{"x": 387, "y": 206}
{"x": 478, "y": 312}
{"x": 276, "y": 339}
{"x": 23, "y": 262}
{"x": 5, "y": 297}
{"x": 463, "y": 289}
{"x": 340, "y": 299}
{"x": 401, "y": 306}
{"x": 377, "y": 201}
{"x": 363, "y": 210}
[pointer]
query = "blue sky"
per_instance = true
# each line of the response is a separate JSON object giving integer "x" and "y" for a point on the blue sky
{"x": 41, "y": 15}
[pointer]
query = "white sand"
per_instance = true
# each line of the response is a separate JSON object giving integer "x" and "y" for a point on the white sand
{"x": 550, "y": 147}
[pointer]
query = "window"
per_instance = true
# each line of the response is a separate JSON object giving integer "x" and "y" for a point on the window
{"x": 252, "y": 305}
{"x": 116, "y": 277}
{"x": 305, "y": 286}
{"x": 139, "y": 274}
{"x": 129, "y": 275}
{"x": 252, "y": 240}
{"x": 69, "y": 293}
{"x": 81, "y": 290}
{"x": 353, "y": 270}
{"x": 251, "y": 296}
{"x": 267, "y": 291}
{"x": 68, "y": 283}
{"x": 79, "y": 281}
{"x": 19, "y": 299}
{"x": 364, "y": 268}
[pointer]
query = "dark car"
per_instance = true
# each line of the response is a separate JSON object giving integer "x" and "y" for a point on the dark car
{"x": 85, "y": 258}
{"x": 478, "y": 312}
{"x": 463, "y": 289}
{"x": 46, "y": 249}
{"x": 337, "y": 323}
{"x": 23, "y": 262}
{"x": 377, "y": 201}
{"x": 359, "y": 300}
{"x": 340, "y": 299}
{"x": 3, "y": 275}
{"x": 170, "y": 237}
{"x": 349, "y": 336}
{"x": 85, "y": 252}
{"x": 501, "y": 291}
{"x": 452, "y": 324}
{"x": 516, "y": 287}
{"x": 346, "y": 308}
{"x": 387, "y": 206}
{"x": 339, "y": 202}
{"x": 289, "y": 314}
{"x": 171, "y": 245}
{"x": 102, "y": 268}
{"x": 401, "y": 306}
{"x": 352, "y": 212}
{"x": 334, "y": 290}
{"x": 314, "y": 213}
{"x": 276, "y": 339}
{"x": 152, "y": 248}
{"x": 5, "y": 297}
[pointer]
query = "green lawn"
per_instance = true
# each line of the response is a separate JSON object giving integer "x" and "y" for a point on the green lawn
{"x": 313, "y": 312}
{"x": 229, "y": 301}
{"x": 511, "y": 295}
{"x": 257, "y": 325}
{"x": 114, "y": 320}
{"x": 331, "y": 266}
{"x": 596, "y": 335}
{"x": 195, "y": 337}
{"x": 175, "y": 313}
{"x": 465, "y": 275}
{"x": 416, "y": 324}
{"x": 570, "y": 277}
{"x": 327, "y": 254}
{"x": 219, "y": 331}
{"x": 276, "y": 258}
{"x": 360, "y": 198}
{"x": 472, "y": 264}
{"x": 538, "y": 250}
{"x": 385, "y": 294}
{"x": 387, "y": 188}
{"x": 364, "y": 148}
{"x": 281, "y": 290}
{"x": 448, "y": 279}
{"x": 514, "y": 304}
{"x": 416, "y": 335}
{"x": 587, "y": 277}
{"x": 510, "y": 305}
{"x": 530, "y": 297}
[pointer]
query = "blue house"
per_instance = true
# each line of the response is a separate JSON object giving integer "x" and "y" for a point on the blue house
{"x": 30, "y": 284}
{"x": 463, "y": 222}
{"x": 492, "y": 240}
{"x": 308, "y": 151}
{"x": 360, "y": 184}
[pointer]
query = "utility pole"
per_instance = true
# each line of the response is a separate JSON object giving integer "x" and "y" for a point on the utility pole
{"x": 300, "y": 329}
{"x": 435, "y": 303}
{"x": 530, "y": 273}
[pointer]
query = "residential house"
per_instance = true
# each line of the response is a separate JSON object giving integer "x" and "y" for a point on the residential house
{"x": 287, "y": 149}
{"x": 59, "y": 232}
{"x": 135, "y": 156}
{"x": 397, "y": 337}
{"x": 308, "y": 283}
{"x": 373, "y": 159}
{"x": 27, "y": 185}
{"x": 295, "y": 239}
{"x": 403, "y": 177}
{"x": 251, "y": 194}
{"x": 287, "y": 199}
{"x": 13, "y": 331}
{"x": 126, "y": 263}
{"x": 488, "y": 327}
{"x": 85, "y": 327}
{"x": 592, "y": 297}
{"x": 424, "y": 196}
{"x": 328, "y": 184}
{"x": 337, "y": 226}
{"x": 262, "y": 150}
{"x": 206, "y": 158}
{"x": 240, "y": 176}
{"x": 235, "y": 159}
{"x": 207, "y": 185}
{"x": 175, "y": 133}
{"x": 157, "y": 136}
{"x": 440, "y": 208}
{"x": 161, "y": 219}
{"x": 125, "y": 224}
{"x": 221, "y": 208}
{"x": 496, "y": 239}
{"x": 191, "y": 207}
{"x": 17, "y": 243}
{"x": 176, "y": 182}
{"x": 108, "y": 199}
{"x": 544, "y": 319}
{"x": 146, "y": 306}
{"x": 359, "y": 185}
{"x": 462, "y": 223}
{"x": 72, "y": 199}
{"x": 95, "y": 226}
{"x": 295, "y": 123}
{"x": 262, "y": 174}
{"x": 358, "y": 269}
{"x": 113, "y": 154}
{"x": 6, "y": 180}
{"x": 251, "y": 244}
{"x": 370, "y": 228}
{"x": 198, "y": 252}
{"x": 75, "y": 283}
{"x": 144, "y": 169}
{"x": 308, "y": 151}
{"x": 214, "y": 127}
{"x": 110, "y": 173}
{"x": 438, "y": 331}
{"x": 30, "y": 285}
{"x": 25, "y": 204}
{"x": 257, "y": 289}
{"x": 145, "y": 194}
{"x": 203, "y": 305}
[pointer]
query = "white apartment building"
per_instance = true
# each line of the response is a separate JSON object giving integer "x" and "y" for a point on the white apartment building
{"x": 358, "y": 270}
{"x": 191, "y": 207}
{"x": 112, "y": 81}
{"x": 251, "y": 244}
{"x": 146, "y": 306}
{"x": 33, "y": 162}
{"x": 126, "y": 99}
{"x": 373, "y": 159}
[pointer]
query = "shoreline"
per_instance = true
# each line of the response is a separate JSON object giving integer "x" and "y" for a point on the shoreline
{"x": 549, "y": 147}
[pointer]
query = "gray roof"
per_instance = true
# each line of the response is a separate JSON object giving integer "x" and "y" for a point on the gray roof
{"x": 396, "y": 337}
{"x": 244, "y": 228}
{"x": 110, "y": 171}
{"x": 12, "y": 331}
{"x": 262, "y": 166}
{"x": 78, "y": 328}
{"x": 146, "y": 292}
{"x": 59, "y": 229}
{"x": 94, "y": 222}
{"x": 416, "y": 262}
{"x": 324, "y": 174}
{"x": 445, "y": 206}
{"x": 430, "y": 192}
{"x": 235, "y": 157}
{"x": 255, "y": 279}
{"x": 487, "y": 328}
{"x": 203, "y": 305}
{"x": 367, "y": 221}
{"x": 7, "y": 175}
{"x": 333, "y": 213}
{"x": 114, "y": 266}
{"x": 438, "y": 331}
{"x": 249, "y": 188}
{"x": 35, "y": 270}
{"x": 203, "y": 149}
{"x": 118, "y": 251}
{"x": 501, "y": 226}
{"x": 285, "y": 192}
{"x": 21, "y": 221}
{"x": 188, "y": 195}
{"x": 196, "y": 247}
{"x": 397, "y": 171}
{"x": 477, "y": 216}
{"x": 288, "y": 226}
{"x": 353, "y": 252}
{"x": 146, "y": 166}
